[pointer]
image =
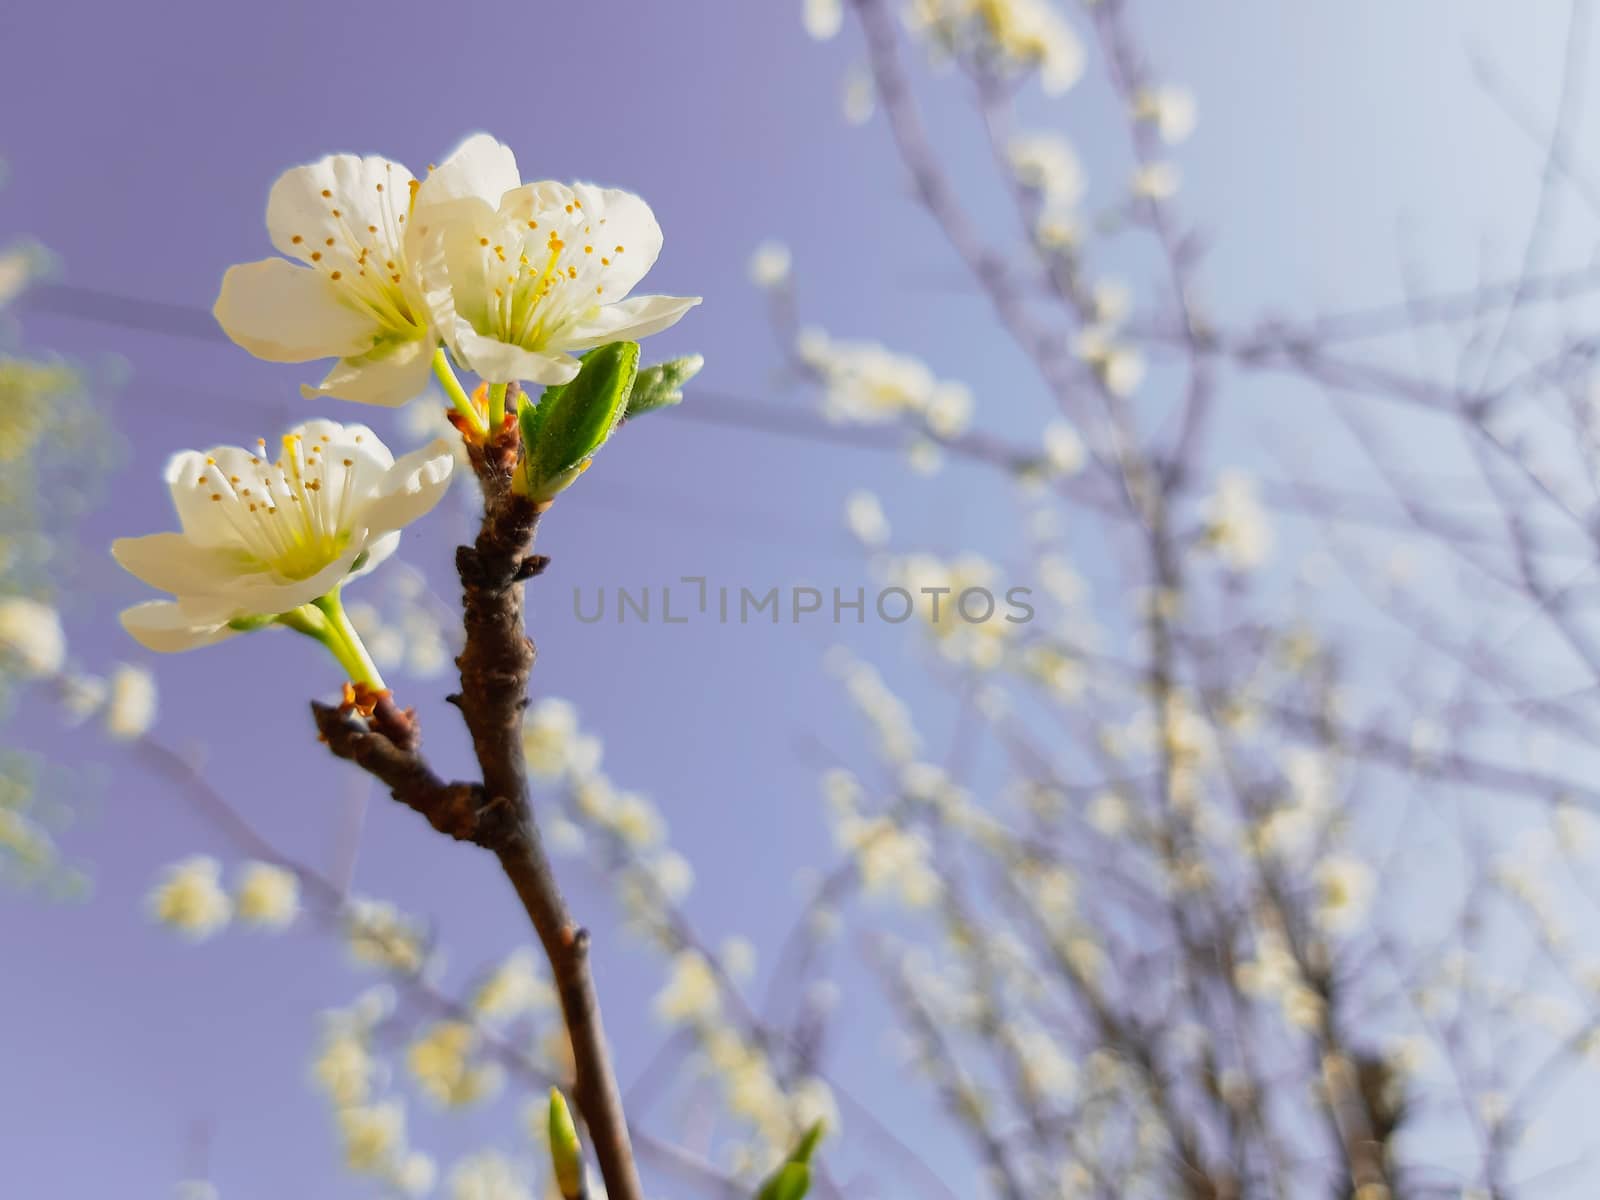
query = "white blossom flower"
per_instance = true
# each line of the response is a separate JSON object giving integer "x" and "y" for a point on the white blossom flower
{"x": 31, "y": 640}
{"x": 519, "y": 276}
{"x": 130, "y": 702}
{"x": 267, "y": 896}
{"x": 770, "y": 265}
{"x": 1155, "y": 181}
{"x": 864, "y": 382}
{"x": 1046, "y": 163}
{"x": 548, "y": 732}
{"x": 1344, "y": 888}
{"x": 1120, "y": 368}
{"x": 260, "y": 538}
{"x": 441, "y": 1062}
{"x": 859, "y": 95}
{"x": 356, "y": 298}
{"x": 738, "y": 956}
{"x": 82, "y": 696}
{"x": 691, "y": 994}
{"x": 415, "y": 1174}
{"x": 487, "y": 1176}
{"x": 379, "y": 935}
{"x": 1236, "y": 524}
{"x": 190, "y": 898}
{"x": 823, "y": 18}
{"x": 1170, "y": 109}
{"x": 516, "y": 987}
{"x": 373, "y": 1134}
{"x": 673, "y": 874}
{"x": 1027, "y": 34}
{"x": 1064, "y": 448}
{"x": 864, "y": 515}
{"x": 1112, "y": 300}
{"x": 18, "y": 265}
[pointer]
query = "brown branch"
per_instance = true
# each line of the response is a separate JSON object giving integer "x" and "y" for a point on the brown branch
{"x": 386, "y": 746}
{"x": 495, "y": 666}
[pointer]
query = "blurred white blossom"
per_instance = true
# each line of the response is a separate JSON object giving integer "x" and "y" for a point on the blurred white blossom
{"x": 823, "y": 18}
{"x": 267, "y": 896}
{"x": 488, "y": 1176}
{"x": 864, "y": 382}
{"x": 190, "y": 898}
{"x": 1236, "y": 524}
{"x": 864, "y": 516}
{"x": 130, "y": 708}
{"x": 1170, "y": 109}
{"x": 1047, "y": 163}
{"x": 31, "y": 638}
{"x": 770, "y": 265}
{"x": 1155, "y": 181}
{"x": 691, "y": 994}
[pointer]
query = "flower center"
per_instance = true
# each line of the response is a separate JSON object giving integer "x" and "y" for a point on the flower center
{"x": 367, "y": 262}
{"x": 548, "y": 274}
{"x": 283, "y": 518}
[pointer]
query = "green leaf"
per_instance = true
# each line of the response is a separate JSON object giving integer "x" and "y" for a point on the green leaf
{"x": 661, "y": 386}
{"x": 571, "y": 422}
{"x": 792, "y": 1180}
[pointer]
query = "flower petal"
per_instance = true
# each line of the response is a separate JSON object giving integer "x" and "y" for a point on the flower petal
{"x": 379, "y": 549}
{"x": 194, "y": 478}
{"x": 629, "y": 224}
{"x": 265, "y": 593}
{"x": 627, "y": 320}
{"x": 174, "y": 563}
{"x": 325, "y": 212}
{"x": 480, "y": 166}
{"x": 284, "y": 313}
{"x": 500, "y": 362}
{"x": 390, "y": 375}
{"x": 415, "y": 484}
{"x": 160, "y": 625}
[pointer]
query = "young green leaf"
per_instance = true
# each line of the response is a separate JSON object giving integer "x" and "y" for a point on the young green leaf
{"x": 792, "y": 1180}
{"x": 571, "y": 422}
{"x": 566, "y": 1154}
{"x": 661, "y": 386}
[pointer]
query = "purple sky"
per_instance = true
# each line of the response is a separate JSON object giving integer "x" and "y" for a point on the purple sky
{"x": 140, "y": 144}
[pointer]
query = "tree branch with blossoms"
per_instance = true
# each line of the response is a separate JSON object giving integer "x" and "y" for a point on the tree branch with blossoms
{"x": 397, "y": 279}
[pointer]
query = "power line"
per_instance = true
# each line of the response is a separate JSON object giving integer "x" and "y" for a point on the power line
{"x": 186, "y": 321}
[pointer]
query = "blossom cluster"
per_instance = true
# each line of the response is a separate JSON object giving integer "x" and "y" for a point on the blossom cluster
{"x": 395, "y": 277}
{"x": 865, "y": 383}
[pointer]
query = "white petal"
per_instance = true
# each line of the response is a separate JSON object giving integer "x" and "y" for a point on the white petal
{"x": 415, "y": 484}
{"x": 390, "y": 375}
{"x": 357, "y": 202}
{"x": 194, "y": 477}
{"x": 446, "y": 252}
{"x": 284, "y": 313}
{"x": 378, "y": 550}
{"x": 161, "y": 626}
{"x": 627, "y": 320}
{"x": 629, "y": 223}
{"x": 480, "y": 166}
{"x": 501, "y": 362}
{"x": 268, "y": 594}
{"x": 345, "y": 438}
{"x": 173, "y": 563}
